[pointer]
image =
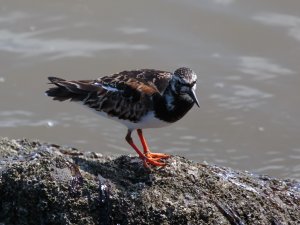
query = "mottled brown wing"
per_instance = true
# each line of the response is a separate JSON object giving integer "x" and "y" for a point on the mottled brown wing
{"x": 126, "y": 95}
{"x": 144, "y": 80}
{"x": 129, "y": 92}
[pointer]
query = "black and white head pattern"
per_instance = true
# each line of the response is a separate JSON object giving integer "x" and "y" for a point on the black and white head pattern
{"x": 184, "y": 80}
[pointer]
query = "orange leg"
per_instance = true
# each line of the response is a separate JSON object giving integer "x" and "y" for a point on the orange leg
{"x": 141, "y": 155}
{"x": 147, "y": 153}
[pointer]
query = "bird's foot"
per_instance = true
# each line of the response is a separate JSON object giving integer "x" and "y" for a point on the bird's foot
{"x": 154, "y": 159}
{"x": 156, "y": 156}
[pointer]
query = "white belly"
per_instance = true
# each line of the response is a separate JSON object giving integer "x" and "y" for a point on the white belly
{"x": 147, "y": 121}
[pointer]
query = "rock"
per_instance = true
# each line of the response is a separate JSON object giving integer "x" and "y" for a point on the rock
{"x": 50, "y": 184}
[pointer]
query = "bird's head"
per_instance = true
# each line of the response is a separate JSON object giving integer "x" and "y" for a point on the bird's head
{"x": 184, "y": 83}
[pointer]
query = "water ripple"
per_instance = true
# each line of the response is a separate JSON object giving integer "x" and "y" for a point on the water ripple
{"x": 292, "y": 23}
{"x": 28, "y": 46}
{"x": 261, "y": 68}
{"x": 245, "y": 91}
{"x": 224, "y": 2}
{"x": 15, "y": 113}
{"x": 8, "y": 123}
{"x": 132, "y": 30}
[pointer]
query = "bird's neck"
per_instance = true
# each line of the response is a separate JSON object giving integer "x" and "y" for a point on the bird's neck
{"x": 171, "y": 106}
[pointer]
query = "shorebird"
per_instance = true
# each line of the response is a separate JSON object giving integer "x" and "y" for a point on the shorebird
{"x": 138, "y": 99}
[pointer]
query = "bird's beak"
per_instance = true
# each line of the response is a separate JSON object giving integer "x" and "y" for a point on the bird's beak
{"x": 192, "y": 94}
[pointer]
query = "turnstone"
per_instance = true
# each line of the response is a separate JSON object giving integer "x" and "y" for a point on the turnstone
{"x": 139, "y": 99}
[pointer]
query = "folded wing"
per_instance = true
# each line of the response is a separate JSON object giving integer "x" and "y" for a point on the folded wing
{"x": 126, "y": 95}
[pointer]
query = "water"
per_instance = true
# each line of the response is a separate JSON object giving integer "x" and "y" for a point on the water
{"x": 246, "y": 54}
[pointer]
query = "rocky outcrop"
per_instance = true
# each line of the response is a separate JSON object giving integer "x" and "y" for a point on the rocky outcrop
{"x": 50, "y": 184}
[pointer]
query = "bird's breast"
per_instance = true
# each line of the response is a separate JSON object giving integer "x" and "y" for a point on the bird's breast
{"x": 171, "y": 108}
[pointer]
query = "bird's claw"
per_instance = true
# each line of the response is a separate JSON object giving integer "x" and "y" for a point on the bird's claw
{"x": 157, "y": 156}
{"x": 154, "y": 159}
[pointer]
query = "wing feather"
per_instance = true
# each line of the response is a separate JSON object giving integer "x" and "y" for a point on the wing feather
{"x": 126, "y": 95}
{"x": 145, "y": 80}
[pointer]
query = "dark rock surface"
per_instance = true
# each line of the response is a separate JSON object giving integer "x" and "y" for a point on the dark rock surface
{"x": 50, "y": 184}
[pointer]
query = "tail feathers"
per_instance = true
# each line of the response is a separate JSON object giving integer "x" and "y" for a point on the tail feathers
{"x": 62, "y": 94}
{"x": 73, "y": 90}
{"x": 55, "y": 80}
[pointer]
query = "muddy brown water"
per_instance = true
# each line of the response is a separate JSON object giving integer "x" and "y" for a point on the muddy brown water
{"x": 246, "y": 54}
